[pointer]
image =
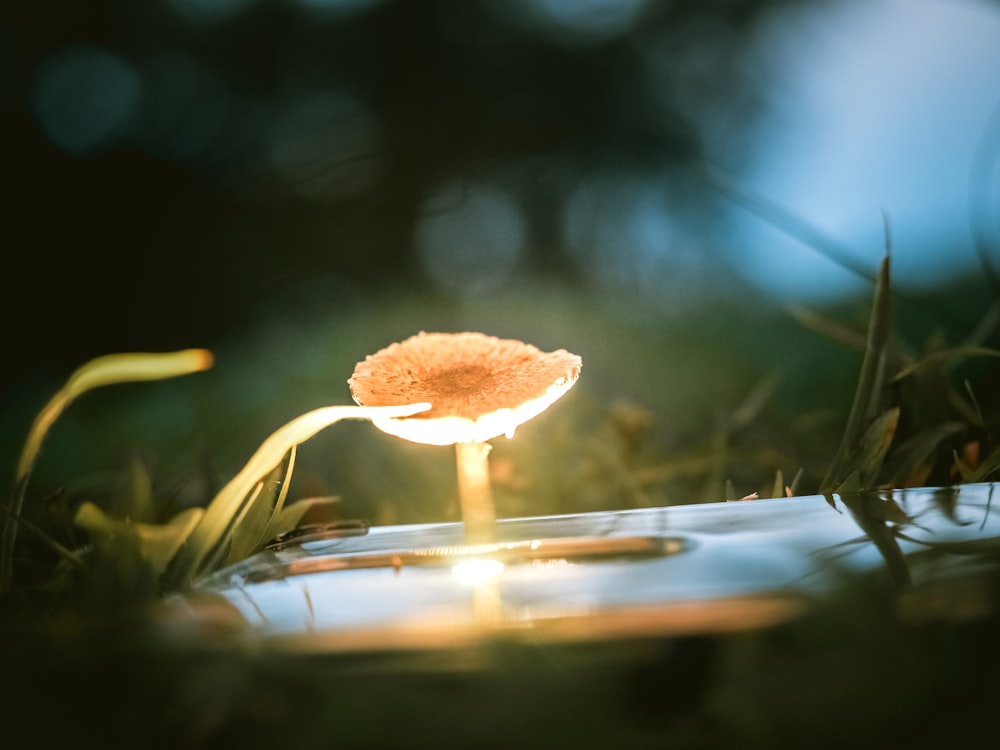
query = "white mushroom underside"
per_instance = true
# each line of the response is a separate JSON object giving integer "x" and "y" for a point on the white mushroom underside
{"x": 449, "y": 429}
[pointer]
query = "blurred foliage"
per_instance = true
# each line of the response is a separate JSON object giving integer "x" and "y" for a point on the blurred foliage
{"x": 910, "y": 664}
{"x": 853, "y": 673}
{"x": 132, "y": 558}
{"x": 598, "y": 456}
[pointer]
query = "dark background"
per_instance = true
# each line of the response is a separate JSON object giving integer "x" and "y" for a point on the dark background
{"x": 257, "y": 178}
{"x": 168, "y": 232}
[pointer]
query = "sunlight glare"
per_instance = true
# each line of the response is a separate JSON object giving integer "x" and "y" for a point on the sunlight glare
{"x": 477, "y": 571}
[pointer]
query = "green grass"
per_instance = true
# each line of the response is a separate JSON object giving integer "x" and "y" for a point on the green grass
{"x": 671, "y": 415}
{"x": 696, "y": 411}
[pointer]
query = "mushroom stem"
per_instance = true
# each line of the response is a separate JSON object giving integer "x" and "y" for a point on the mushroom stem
{"x": 474, "y": 494}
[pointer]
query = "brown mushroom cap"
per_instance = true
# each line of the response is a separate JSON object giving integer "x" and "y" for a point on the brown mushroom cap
{"x": 479, "y": 386}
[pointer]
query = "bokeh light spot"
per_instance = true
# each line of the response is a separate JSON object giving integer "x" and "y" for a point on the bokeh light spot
{"x": 471, "y": 238}
{"x": 85, "y": 98}
{"x": 325, "y": 145}
{"x": 616, "y": 227}
{"x": 336, "y": 8}
{"x": 206, "y": 12}
{"x": 581, "y": 20}
{"x": 619, "y": 229}
{"x": 185, "y": 107}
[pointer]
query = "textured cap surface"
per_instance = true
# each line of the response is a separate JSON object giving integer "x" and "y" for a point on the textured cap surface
{"x": 479, "y": 386}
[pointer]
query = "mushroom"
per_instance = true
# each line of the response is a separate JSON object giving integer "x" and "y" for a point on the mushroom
{"x": 479, "y": 387}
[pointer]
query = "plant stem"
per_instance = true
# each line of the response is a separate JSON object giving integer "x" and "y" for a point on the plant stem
{"x": 474, "y": 494}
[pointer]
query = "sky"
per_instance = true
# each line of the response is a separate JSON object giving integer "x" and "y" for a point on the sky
{"x": 879, "y": 109}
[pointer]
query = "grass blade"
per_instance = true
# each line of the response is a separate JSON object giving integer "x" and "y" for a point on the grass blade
{"x": 229, "y": 501}
{"x": 913, "y": 458}
{"x": 250, "y": 532}
{"x": 868, "y": 393}
{"x": 158, "y": 542}
{"x": 981, "y": 473}
{"x": 111, "y": 369}
{"x": 289, "y": 517}
{"x": 945, "y": 356}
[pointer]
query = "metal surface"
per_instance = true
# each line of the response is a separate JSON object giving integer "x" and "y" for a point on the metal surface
{"x": 646, "y": 572}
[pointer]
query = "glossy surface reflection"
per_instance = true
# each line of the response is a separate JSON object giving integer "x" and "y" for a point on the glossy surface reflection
{"x": 714, "y": 567}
